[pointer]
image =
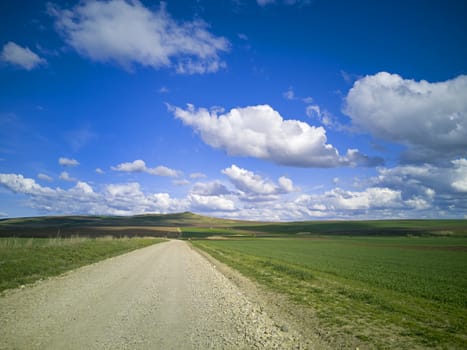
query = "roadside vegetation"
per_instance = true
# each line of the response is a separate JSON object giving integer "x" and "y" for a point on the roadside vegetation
{"x": 26, "y": 260}
{"x": 384, "y": 292}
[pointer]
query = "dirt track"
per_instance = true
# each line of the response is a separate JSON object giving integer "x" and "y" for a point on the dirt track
{"x": 164, "y": 296}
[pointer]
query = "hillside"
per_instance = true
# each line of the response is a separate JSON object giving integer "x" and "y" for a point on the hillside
{"x": 188, "y": 224}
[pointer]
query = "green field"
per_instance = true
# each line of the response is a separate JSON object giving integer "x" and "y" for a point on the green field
{"x": 26, "y": 260}
{"x": 383, "y": 292}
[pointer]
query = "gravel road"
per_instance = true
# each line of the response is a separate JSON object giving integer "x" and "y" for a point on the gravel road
{"x": 166, "y": 296}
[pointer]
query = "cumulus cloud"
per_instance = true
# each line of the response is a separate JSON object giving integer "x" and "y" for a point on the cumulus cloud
{"x": 68, "y": 162}
{"x": 211, "y": 196}
{"x": 65, "y": 176}
{"x": 100, "y": 171}
{"x": 210, "y": 203}
{"x": 19, "y": 184}
{"x": 253, "y": 187}
{"x": 374, "y": 197}
{"x": 448, "y": 179}
{"x": 213, "y": 188}
{"x": 429, "y": 118}
{"x": 128, "y": 33}
{"x": 19, "y": 56}
{"x": 261, "y": 132}
{"x": 44, "y": 177}
{"x": 139, "y": 166}
{"x": 114, "y": 199}
{"x": 286, "y": 184}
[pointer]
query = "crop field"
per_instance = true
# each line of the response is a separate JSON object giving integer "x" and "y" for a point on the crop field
{"x": 26, "y": 260}
{"x": 383, "y": 292}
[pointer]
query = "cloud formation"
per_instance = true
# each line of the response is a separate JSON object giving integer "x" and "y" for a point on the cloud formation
{"x": 114, "y": 199}
{"x": 44, "y": 177}
{"x": 19, "y": 56}
{"x": 261, "y": 132}
{"x": 139, "y": 166}
{"x": 69, "y": 162}
{"x": 405, "y": 191}
{"x": 65, "y": 176}
{"x": 429, "y": 118}
{"x": 128, "y": 33}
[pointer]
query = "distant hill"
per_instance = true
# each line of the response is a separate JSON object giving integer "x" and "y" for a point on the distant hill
{"x": 137, "y": 225}
{"x": 188, "y": 225}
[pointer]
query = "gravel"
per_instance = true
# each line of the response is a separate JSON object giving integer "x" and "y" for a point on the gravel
{"x": 166, "y": 296}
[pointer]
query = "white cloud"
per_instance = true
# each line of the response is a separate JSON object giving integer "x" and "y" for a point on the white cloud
{"x": 100, "y": 171}
{"x": 289, "y": 94}
{"x": 126, "y": 32}
{"x": 409, "y": 191}
{"x": 210, "y": 203}
{"x": 68, "y": 162}
{"x": 3, "y": 214}
{"x": 459, "y": 182}
{"x": 261, "y": 132}
{"x": 418, "y": 179}
{"x": 44, "y": 177}
{"x": 429, "y": 118}
{"x": 372, "y": 202}
{"x": 114, "y": 199}
{"x": 249, "y": 182}
{"x": 313, "y": 111}
{"x": 14, "y": 54}
{"x": 375, "y": 197}
{"x": 197, "y": 176}
{"x": 19, "y": 184}
{"x": 213, "y": 188}
{"x": 286, "y": 184}
{"x": 162, "y": 171}
{"x": 83, "y": 187}
{"x": 254, "y": 188}
{"x": 65, "y": 176}
{"x": 181, "y": 182}
{"x": 139, "y": 166}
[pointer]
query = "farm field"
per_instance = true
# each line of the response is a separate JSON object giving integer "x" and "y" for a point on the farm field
{"x": 26, "y": 260}
{"x": 383, "y": 292}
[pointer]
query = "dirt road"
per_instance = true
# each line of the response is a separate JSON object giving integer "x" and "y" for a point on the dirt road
{"x": 166, "y": 296}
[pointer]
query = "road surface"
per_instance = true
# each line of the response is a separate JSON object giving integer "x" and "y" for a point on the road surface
{"x": 166, "y": 296}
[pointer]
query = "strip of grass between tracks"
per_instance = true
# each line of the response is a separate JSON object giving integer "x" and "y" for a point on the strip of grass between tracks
{"x": 26, "y": 260}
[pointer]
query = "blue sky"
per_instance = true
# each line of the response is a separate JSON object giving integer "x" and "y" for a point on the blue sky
{"x": 271, "y": 110}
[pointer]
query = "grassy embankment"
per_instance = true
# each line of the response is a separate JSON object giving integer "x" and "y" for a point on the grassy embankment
{"x": 385, "y": 292}
{"x": 26, "y": 260}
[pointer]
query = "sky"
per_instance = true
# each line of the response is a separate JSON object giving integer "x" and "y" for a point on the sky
{"x": 260, "y": 110}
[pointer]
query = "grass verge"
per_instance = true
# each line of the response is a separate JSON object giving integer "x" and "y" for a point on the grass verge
{"x": 26, "y": 260}
{"x": 381, "y": 292}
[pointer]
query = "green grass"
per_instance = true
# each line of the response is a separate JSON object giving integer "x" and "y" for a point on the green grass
{"x": 362, "y": 228}
{"x": 26, "y": 260}
{"x": 202, "y": 232}
{"x": 389, "y": 292}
